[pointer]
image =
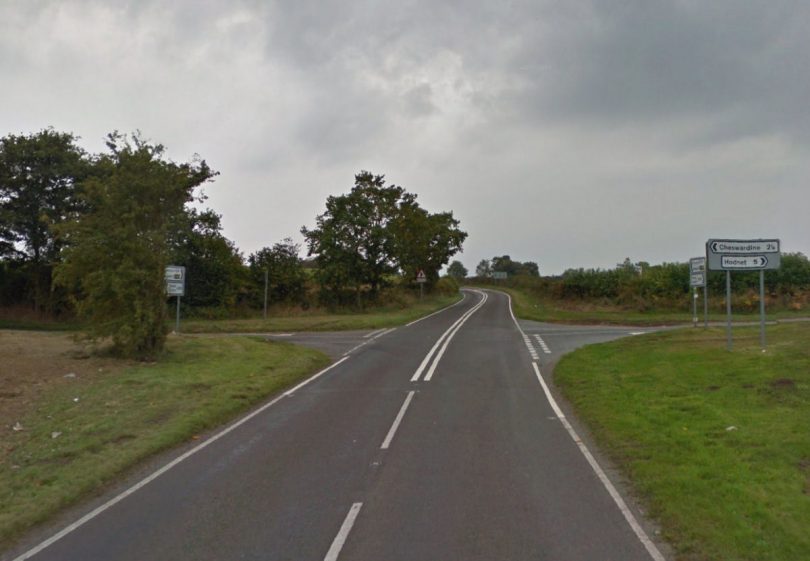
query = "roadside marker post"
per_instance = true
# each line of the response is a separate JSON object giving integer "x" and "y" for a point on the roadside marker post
{"x": 175, "y": 277}
{"x": 697, "y": 279}
{"x": 744, "y": 255}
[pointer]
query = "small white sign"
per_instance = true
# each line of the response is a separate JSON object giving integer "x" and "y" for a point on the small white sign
{"x": 697, "y": 280}
{"x": 421, "y": 277}
{"x": 697, "y": 265}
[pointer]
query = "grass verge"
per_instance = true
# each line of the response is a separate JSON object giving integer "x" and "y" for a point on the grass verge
{"x": 717, "y": 443}
{"x": 548, "y": 310}
{"x": 80, "y": 435}
{"x": 377, "y": 318}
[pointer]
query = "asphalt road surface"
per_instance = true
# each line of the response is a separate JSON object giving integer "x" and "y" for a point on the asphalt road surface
{"x": 440, "y": 440}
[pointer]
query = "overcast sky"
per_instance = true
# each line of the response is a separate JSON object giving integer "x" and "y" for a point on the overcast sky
{"x": 570, "y": 133}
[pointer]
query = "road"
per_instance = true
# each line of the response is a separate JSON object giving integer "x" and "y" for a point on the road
{"x": 434, "y": 441}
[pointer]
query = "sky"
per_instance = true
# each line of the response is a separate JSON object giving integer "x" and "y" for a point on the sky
{"x": 569, "y": 133}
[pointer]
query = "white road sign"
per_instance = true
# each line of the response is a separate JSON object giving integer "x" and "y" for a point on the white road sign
{"x": 697, "y": 265}
{"x": 175, "y": 273}
{"x": 175, "y": 276}
{"x": 697, "y": 280}
{"x": 742, "y": 262}
{"x": 742, "y": 247}
{"x": 742, "y": 255}
{"x": 421, "y": 277}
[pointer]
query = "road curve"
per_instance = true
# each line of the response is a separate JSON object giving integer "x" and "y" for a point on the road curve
{"x": 434, "y": 441}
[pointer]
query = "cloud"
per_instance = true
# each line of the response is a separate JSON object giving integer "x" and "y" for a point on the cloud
{"x": 546, "y": 126}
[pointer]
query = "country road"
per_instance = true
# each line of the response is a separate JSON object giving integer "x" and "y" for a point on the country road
{"x": 440, "y": 440}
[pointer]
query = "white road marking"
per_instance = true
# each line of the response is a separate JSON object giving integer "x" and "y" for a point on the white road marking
{"x": 464, "y": 297}
{"x": 281, "y": 334}
{"x": 373, "y": 333}
{"x": 426, "y": 360}
{"x": 637, "y": 332}
{"x": 617, "y": 498}
{"x": 118, "y": 498}
{"x": 543, "y": 344}
{"x": 367, "y": 341}
{"x": 340, "y": 539}
{"x": 532, "y": 350}
{"x": 390, "y": 436}
{"x": 614, "y": 494}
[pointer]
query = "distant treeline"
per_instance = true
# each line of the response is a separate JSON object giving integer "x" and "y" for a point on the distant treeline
{"x": 645, "y": 286}
{"x": 91, "y": 234}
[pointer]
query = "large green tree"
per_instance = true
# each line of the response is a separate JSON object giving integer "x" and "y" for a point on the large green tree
{"x": 377, "y": 230}
{"x": 39, "y": 174}
{"x": 118, "y": 248}
{"x": 351, "y": 240}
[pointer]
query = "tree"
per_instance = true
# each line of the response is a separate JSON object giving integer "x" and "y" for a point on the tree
{"x": 117, "y": 251}
{"x": 285, "y": 271}
{"x": 215, "y": 272}
{"x": 351, "y": 241}
{"x": 39, "y": 174}
{"x": 424, "y": 241}
{"x": 457, "y": 271}
{"x": 371, "y": 233}
{"x": 483, "y": 269}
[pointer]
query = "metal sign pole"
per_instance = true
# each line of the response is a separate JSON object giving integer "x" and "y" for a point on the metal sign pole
{"x": 706, "y": 303}
{"x": 177, "y": 320}
{"x": 728, "y": 309}
{"x": 694, "y": 307}
{"x": 762, "y": 308}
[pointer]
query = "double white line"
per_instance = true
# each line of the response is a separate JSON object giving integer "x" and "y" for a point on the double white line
{"x": 444, "y": 341}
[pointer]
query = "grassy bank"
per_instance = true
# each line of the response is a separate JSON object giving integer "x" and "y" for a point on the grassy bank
{"x": 717, "y": 443}
{"x": 318, "y": 320}
{"x": 529, "y": 306}
{"x": 84, "y": 431}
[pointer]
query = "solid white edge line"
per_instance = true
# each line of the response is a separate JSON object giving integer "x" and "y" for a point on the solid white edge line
{"x": 392, "y": 431}
{"x": 142, "y": 483}
{"x": 440, "y": 354}
{"x": 426, "y": 360}
{"x": 340, "y": 539}
{"x": 414, "y": 322}
{"x": 617, "y": 498}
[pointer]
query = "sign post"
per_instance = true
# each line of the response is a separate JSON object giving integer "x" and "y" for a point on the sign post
{"x": 421, "y": 278}
{"x": 744, "y": 255}
{"x": 175, "y": 276}
{"x": 697, "y": 279}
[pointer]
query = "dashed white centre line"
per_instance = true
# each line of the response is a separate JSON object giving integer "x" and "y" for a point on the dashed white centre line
{"x": 340, "y": 539}
{"x": 392, "y": 431}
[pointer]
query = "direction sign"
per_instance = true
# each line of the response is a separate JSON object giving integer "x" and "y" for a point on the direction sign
{"x": 742, "y": 247}
{"x": 500, "y": 275}
{"x": 175, "y": 276}
{"x": 747, "y": 262}
{"x": 697, "y": 280}
{"x": 743, "y": 255}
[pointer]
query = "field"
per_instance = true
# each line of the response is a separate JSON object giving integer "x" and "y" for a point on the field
{"x": 529, "y": 306}
{"x": 71, "y": 421}
{"x": 716, "y": 442}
